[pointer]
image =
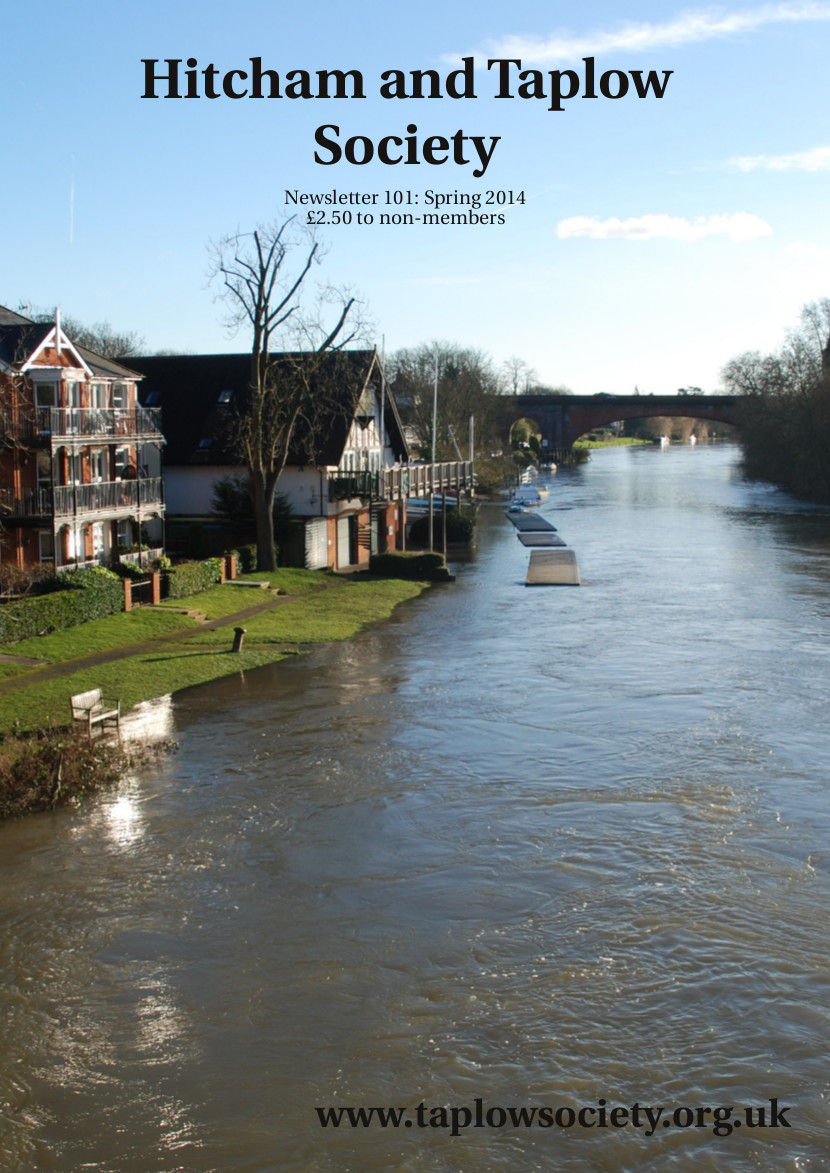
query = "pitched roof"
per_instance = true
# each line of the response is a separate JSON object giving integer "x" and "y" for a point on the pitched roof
{"x": 105, "y": 368}
{"x": 10, "y": 318}
{"x": 198, "y": 394}
{"x": 20, "y": 337}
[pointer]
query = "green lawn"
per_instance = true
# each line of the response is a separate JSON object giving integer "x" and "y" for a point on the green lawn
{"x": 99, "y": 635}
{"x": 346, "y": 606}
{"x": 332, "y": 614}
{"x": 617, "y": 442}
{"x": 225, "y": 600}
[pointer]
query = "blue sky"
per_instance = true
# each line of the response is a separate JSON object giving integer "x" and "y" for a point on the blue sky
{"x": 658, "y": 239}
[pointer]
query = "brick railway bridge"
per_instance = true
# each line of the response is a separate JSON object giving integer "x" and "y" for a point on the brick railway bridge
{"x": 564, "y": 418}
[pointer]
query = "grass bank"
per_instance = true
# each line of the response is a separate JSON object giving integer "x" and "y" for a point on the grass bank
{"x": 154, "y": 651}
{"x": 617, "y": 442}
{"x": 151, "y": 652}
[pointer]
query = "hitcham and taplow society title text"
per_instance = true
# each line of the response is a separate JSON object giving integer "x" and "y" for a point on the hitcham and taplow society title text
{"x": 175, "y": 77}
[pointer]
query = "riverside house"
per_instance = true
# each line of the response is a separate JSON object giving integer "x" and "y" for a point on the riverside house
{"x": 80, "y": 470}
{"x": 345, "y": 477}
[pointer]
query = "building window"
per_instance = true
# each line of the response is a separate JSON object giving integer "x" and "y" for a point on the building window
{"x": 224, "y": 397}
{"x": 98, "y": 465}
{"x": 46, "y": 395}
{"x": 73, "y": 545}
{"x": 122, "y": 461}
{"x": 74, "y": 468}
{"x": 47, "y": 546}
{"x": 44, "y": 470}
{"x": 99, "y": 396}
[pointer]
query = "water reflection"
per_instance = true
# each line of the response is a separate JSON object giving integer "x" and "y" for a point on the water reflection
{"x": 124, "y": 821}
{"x": 149, "y": 722}
{"x": 537, "y": 847}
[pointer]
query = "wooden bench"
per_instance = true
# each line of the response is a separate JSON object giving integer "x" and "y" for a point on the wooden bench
{"x": 89, "y": 709}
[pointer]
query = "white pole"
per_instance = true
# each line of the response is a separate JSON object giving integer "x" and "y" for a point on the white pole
{"x": 432, "y": 469}
{"x": 434, "y": 408}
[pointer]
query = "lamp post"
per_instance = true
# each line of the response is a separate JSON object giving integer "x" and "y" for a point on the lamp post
{"x": 432, "y": 466}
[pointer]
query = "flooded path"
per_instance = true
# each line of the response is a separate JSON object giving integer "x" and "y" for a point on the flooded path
{"x": 528, "y": 847}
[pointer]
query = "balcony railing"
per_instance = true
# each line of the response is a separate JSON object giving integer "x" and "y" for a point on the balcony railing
{"x": 116, "y": 498}
{"x": 29, "y": 505}
{"x": 107, "y": 497}
{"x": 91, "y": 423}
{"x": 411, "y": 480}
{"x": 353, "y": 484}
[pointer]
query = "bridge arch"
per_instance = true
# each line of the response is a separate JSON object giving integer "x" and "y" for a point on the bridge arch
{"x": 562, "y": 419}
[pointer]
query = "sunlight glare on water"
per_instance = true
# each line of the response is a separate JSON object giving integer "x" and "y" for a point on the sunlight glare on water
{"x": 531, "y": 847}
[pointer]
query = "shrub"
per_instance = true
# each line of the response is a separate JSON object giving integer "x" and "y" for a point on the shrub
{"x": 422, "y": 567}
{"x": 54, "y": 768}
{"x": 460, "y": 527}
{"x": 246, "y": 558}
{"x": 77, "y": 596}
{"x": 16, "y": 581}
{"x": 131, "y": 570}
{"x": 189, "y": 578}
{"x": 232, "y": 503}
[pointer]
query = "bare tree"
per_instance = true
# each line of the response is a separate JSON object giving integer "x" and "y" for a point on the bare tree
{"x": 263, "y": 274}
{"x": 468, "y": 385}
{"x": 520, "y": 374}
{"x": 785, "y": 427}
{"x": 100, "y": 337}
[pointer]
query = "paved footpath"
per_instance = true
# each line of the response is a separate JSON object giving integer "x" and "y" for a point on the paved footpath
{"x": 69, "y": 667}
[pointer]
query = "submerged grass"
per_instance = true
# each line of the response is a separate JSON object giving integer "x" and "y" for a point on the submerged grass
{"x": 45, "y": 763}
{"x": 336, "y": 613}
{"x": 142, "y": 677}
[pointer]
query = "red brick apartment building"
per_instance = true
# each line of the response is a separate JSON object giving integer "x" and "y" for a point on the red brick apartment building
{"x": 80, "y": 460}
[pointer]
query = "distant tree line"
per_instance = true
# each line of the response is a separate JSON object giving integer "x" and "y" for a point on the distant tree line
{"x": 785, "y": 427}
{"x": 469, "y": 384}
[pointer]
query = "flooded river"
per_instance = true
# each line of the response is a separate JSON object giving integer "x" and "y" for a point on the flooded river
{"x": 555, "y": 850}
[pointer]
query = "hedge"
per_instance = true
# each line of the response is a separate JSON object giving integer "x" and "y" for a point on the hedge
{"x": 246, "y": 558}
{"x": 422, "y": 567}
{"x": 189, "y": 578}
{"x": 81, "y": 595}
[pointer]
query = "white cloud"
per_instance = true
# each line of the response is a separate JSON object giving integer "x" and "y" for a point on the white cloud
{"x": 684, "y": 29}
{"x": 736, "y": 226}
{"x": 805, "y": 251}
{"x": 818, "y": 159}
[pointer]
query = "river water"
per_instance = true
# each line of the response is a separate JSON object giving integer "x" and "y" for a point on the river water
{"x": 515, "y": 848}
